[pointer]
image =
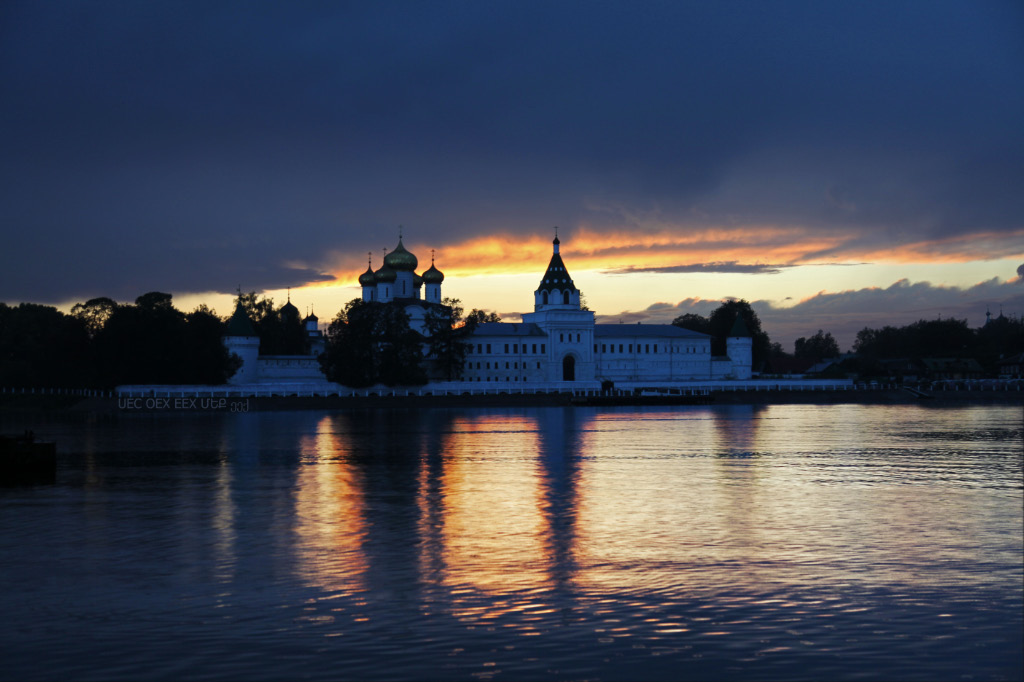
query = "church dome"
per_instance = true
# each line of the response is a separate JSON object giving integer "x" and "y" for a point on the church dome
{"x": 289, "y": 311}
{"x": 400, "y": 259}
{"x": 433, "y": 275}
{"x": 367, "y": 279}
{"x": 385, "y": 275}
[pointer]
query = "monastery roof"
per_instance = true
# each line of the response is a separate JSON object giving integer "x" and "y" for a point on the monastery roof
{"x": 240, "y": 324}
{"x": 649, "y": 330}
{"x": 508, "y": 329}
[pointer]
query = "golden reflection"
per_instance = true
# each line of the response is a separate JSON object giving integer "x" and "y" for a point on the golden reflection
{"x": 330, "y": 513}
{"x": 492, "y": 527}
{"x": 224, "y": 546}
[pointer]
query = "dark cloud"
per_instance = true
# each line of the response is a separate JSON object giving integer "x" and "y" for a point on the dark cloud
{"x": 730, "y": 266}
{"x": 129, "y": 128}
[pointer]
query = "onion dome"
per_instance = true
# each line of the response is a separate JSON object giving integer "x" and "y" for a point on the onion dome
{"x": 400, "y": 259}
{"x": 433, "y": 275}
{"x": 311, "y": 318}
{"x": 367, "y": 279}
{"x": 385, "y": 275}
{"x": 288, "y": 311}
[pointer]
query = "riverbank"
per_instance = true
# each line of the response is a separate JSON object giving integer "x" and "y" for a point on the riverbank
{"x": 125, "y": 405}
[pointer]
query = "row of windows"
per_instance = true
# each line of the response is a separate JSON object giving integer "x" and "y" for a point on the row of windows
{"x": 646, "y": 348}
{"x": 487, "y": 365}
{"x": 527, "y": 348}
{"x": 561, "y": 337}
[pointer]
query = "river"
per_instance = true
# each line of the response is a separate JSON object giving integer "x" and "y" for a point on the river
{"x": 704, "y": 542}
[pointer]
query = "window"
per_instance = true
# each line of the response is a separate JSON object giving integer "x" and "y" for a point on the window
{"x": 620, "y": 347}
{"x": 506, "y": 367}
{"x": 647, "y": 348}
{"x": 516, "y": 365}
{"x": 538, "y": 365}
{"x": 561, "y": 338}
{"x": 506, "y": 348}
{"x": 577, "y": 337}
{"x": 655, "y": 348}
{"x": 604, "y": 348}
{"x": 488, "y": 365}
{"x": 545, "y": 298}
{"x": 630, "y": 348}
{"x": 488, "y": 348}
{"x": 565, "y": 298}
{"x": 515, "y": 347}
{"x": 479, "y": 348}
{"x": 534, "y": 349}
{"x": 595, "y": 347}
{"x": 542, "y": 351}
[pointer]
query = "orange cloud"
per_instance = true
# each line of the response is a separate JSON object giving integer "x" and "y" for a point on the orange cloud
{"x": 590, "y": 249}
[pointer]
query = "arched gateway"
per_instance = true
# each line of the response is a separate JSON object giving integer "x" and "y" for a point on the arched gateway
{"x": 568, "y": 368}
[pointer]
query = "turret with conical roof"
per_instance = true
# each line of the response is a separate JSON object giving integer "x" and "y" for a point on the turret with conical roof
{"x": 242, "y": 340}
{"x": 556, "y": 289}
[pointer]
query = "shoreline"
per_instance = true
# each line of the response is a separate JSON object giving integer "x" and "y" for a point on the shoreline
{"x": 115, "y": 405}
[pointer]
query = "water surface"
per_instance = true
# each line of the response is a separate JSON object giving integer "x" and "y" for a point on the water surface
{"x": 725, "y": 542}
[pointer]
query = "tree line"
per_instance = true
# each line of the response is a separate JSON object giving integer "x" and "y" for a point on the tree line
{"x": 102, "y": 344}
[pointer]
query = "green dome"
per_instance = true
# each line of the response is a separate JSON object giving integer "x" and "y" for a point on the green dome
{"x": 385, "y": 274}
{"x": 433, "y": 275}
{"x": 400, "y": 259}
{"x": 368, "y": 279}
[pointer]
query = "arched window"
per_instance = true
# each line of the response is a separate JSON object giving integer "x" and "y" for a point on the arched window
{"x": 545, "y": 298}
{"x": 565, "y": 297}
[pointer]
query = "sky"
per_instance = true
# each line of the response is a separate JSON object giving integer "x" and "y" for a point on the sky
{"x": 840, "y": 165}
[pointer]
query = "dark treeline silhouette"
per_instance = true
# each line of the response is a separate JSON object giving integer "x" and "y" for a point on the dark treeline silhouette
{"x": 949, "y": 338}
{"x": 102, "y": 344}
{"x": 369, "y": 343}
{"x": 280, "y": 330}
{"x": 719, "y": 324}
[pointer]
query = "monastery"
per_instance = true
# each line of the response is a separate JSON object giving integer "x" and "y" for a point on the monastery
{"x": 558, "y": 342}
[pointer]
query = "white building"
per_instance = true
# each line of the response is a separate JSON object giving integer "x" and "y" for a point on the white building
{"x": 558, "y": 342}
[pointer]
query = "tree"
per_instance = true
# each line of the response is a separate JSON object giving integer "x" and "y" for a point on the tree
{"x": 447, "y": 334}
{"x": 42, "y": 347}
{"x": 819, "y": 347}
{"x": 152, "y": 342}
{"x": 480, "y": 317}
{"x": 94, "y": 313}
{"x": 371, "y": 342}
{"x": 693, "y": 322}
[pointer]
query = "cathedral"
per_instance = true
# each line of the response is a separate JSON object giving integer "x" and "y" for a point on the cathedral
{"x": 558, "y": 342}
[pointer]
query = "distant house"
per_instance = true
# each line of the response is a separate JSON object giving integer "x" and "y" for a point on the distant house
{"x": 1011, "y": 367}
{"x": 953, "y": 368}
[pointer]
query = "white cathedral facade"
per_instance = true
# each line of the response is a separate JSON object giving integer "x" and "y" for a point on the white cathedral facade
{"x": 560, "y": 341}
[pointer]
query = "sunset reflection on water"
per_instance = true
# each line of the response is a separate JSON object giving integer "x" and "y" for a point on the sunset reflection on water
{"x": 781, "y": 542}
